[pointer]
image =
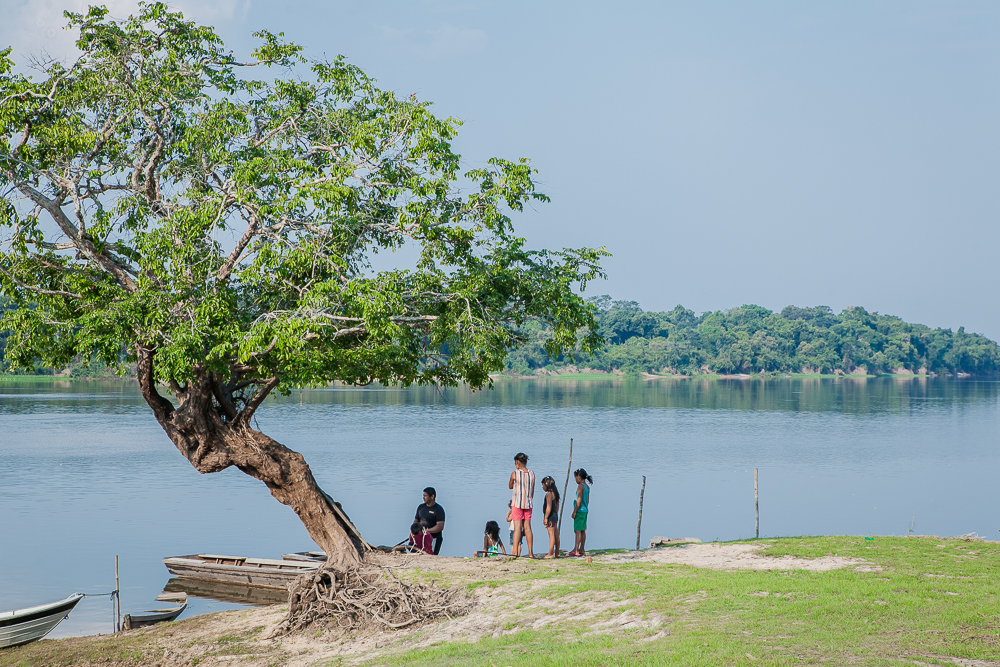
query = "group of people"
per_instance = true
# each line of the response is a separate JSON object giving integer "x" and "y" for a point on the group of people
{"x": 428, "y": 522}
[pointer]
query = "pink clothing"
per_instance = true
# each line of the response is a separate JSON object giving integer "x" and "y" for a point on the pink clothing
{"x": 518, "y": 514}
{"x": 524, "y": 489}
{"x": 423, "y": 541}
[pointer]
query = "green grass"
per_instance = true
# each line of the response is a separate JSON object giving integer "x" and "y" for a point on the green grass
{"x": 780, "y": 617}
{"x": 33, "y": 378}
{"x": 122, "y": 650}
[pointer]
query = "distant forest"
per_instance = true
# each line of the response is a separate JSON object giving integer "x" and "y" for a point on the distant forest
{"x": 752, "y": 339}
{"x": 748, "y": 339}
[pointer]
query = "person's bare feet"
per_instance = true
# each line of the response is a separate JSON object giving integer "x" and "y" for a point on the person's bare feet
{"x": 549, "y": 556}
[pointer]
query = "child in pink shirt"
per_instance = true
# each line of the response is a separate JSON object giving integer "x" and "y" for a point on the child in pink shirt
{"x": 421, "y": 539}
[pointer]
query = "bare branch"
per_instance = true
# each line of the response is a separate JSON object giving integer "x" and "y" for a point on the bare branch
{"x": 251, "y": 407}
{"x": 234, "y": 256}
{"x": 261, "y": 353}
{"x": 53, "y": 206}
{"x": 39, "y": 290}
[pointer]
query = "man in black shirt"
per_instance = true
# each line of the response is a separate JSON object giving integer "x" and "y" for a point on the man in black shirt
{"x": 430, "y": 515}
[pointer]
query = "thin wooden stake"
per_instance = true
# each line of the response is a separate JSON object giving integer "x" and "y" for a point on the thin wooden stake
{"x": 756, "y": 502}
{"x": 562, "y": 505}
{"x": 638, "y": 528}
{"x": 118, "y": 602}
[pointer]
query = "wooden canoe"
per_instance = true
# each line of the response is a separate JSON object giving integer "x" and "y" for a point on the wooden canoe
{"x": 151, "y": 617}
{"x": 22, "y": 626}
{"x": 256, "y": 572}
{"x": 223, "y": 592}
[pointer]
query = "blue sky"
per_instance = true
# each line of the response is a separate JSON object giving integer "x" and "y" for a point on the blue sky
{"x": 839, "y": 153}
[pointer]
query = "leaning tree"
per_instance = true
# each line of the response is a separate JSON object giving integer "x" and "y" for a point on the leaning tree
{"x": 162, "y": 205}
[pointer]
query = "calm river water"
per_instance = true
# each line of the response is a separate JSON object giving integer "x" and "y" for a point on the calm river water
{"x": 86, "y": 473}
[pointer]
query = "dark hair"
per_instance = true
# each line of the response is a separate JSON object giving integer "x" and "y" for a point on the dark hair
{"x": 493, "y": 530}
{"x": 414, "y": 528}
{"x": 522, "y": 457}
{"x": 549, "y": 484}
{"x": 582, "y": 474}
{"x": 430, "y": 491}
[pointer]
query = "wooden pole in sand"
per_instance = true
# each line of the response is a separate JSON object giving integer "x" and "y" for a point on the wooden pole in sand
{"x": 118, "y": 604}
{"x": 562, "y": 505}
{"x": 638, "y": 528}
{"x": 756, "y": 502}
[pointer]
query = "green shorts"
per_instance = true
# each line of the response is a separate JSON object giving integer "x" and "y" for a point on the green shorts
{"x": 580, "y": 522}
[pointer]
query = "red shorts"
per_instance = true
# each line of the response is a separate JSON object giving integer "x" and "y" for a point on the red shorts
{"x": 518, "y": 514}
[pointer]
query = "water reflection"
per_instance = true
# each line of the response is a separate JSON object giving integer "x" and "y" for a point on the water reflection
{"x": 853, "y": 395}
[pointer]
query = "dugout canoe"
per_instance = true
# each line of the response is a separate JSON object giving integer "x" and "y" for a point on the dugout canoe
{"x": 22, "y": 626}
{"x": 306, "y": 556}
{"x": 256, "y": 572}
{"x": 151, "y": 617}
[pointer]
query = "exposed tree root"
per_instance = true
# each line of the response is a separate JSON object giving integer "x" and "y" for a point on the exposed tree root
{"x": 368, "y": 597}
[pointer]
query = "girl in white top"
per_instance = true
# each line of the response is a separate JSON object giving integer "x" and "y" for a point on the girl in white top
{"x": 522, "y": 482}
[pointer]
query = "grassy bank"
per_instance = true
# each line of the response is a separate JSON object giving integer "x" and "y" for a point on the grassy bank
{"x": 927, "y": 599}
{"x": 902, "y": 601}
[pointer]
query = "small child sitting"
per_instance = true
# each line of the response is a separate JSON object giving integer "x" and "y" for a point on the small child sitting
{"x": 421, "y": 539}
{"x": 492, "y": 544}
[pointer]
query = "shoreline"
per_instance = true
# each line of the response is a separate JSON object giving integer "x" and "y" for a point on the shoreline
{"x": 843, "y": 599}
{"x": 573, "y": 376}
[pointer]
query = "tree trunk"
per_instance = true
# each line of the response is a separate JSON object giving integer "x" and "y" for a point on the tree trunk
{"x": 211, "y": 445}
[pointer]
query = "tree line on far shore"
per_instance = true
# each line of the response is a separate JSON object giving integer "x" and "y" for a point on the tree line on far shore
{"x": 748, "y": 339}
{"x": 753, "y": 339}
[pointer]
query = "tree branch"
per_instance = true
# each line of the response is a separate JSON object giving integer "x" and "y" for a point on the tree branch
{"x": 53, "y": 206}
{"x": 162, "y": 408}
{"x": 234, "y": 256}
{"x": 224, "y": 402}
{"x": 251, "y": 407}
{"x": 39, "y": 290}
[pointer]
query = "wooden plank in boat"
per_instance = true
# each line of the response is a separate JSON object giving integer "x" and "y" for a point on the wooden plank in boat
{"x": 237, "y": 559}
{"x": 284, "y": 564}
{"x": 306, "y": 557}
{"x": 172, "y": 596}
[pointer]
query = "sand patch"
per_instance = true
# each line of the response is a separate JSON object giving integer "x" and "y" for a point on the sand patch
{"x": 734, "y": 557}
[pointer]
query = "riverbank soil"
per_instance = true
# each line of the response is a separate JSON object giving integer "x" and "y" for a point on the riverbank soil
{"x": 789, "y": 601}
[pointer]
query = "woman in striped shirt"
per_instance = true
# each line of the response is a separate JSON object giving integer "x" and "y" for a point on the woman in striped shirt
{"x": 522, "y": 482}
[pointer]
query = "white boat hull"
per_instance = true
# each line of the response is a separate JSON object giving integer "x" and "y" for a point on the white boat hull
{"x": 27, "y": 625}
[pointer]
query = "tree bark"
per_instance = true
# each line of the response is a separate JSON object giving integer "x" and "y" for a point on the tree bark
{"x": 212, "y": 444}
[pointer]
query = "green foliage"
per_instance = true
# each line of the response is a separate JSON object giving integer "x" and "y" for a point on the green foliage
{"x": 155, "y": 193}
{"x": 752, "y": 339}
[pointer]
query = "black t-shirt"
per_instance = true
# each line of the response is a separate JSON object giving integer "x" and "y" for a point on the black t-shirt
{"x": 428, "y": 517}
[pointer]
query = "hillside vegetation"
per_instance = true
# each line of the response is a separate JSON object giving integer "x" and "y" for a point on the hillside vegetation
{"x": 752, "y": 339}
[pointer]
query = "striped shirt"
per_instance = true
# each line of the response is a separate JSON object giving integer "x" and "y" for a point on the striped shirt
{"x": 524, "y": 489}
